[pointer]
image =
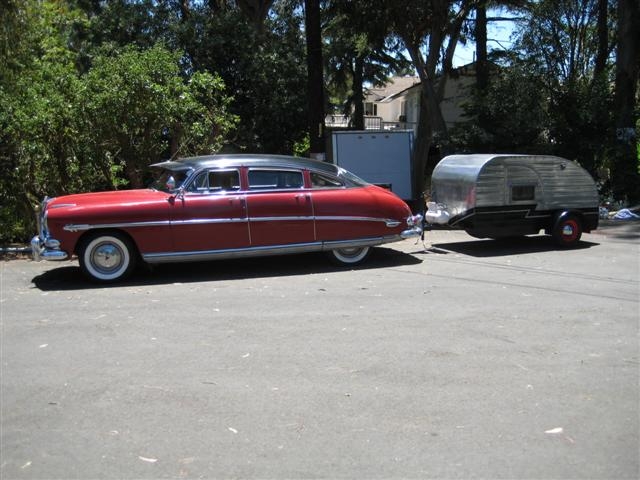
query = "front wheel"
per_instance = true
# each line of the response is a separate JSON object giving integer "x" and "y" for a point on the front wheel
{"x": 107, "y": 257}
{"x": 567, "y": 231}
{"x": 349, "y": 256}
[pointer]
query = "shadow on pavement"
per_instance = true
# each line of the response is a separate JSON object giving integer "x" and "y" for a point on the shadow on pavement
{"x": 505, "y": 247}
{"x": 622, "y": 230}
{"x": 71, "y": 278}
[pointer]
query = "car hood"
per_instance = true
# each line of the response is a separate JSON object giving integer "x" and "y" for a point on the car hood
{"x": 105, "y": 200}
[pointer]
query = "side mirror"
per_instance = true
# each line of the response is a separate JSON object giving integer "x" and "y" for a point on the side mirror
{"x": 171, "y": 183}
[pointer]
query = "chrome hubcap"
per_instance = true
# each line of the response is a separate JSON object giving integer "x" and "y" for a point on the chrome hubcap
{"x": 107, "y": 257}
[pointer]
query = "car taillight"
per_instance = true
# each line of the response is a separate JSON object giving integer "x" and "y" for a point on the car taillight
{"x": 414, "y": 220}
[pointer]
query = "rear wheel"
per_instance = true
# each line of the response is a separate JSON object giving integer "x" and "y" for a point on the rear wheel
{"x": 349, "y": 256}
{"x": 567, "y": 231}
{"x": 107, "y": 257}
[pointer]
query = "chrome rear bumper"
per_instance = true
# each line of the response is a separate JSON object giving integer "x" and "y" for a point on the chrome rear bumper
{"x": 412, "y": 233}
{"x": 415, "y": 222}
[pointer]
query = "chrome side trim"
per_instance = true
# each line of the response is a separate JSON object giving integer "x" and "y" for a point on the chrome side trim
{"x": 280, "y": 219}
{"x": 360, "y": 242}
{"x": 73, "y": 227}
{"x": 168, "y": 257}
{"x": 204, "y": 221}
{"x": 296, "y": 248}
{"x": 77, "y": 227}
{"x": 62, "y": 205}
{"x": 390, "y": 222}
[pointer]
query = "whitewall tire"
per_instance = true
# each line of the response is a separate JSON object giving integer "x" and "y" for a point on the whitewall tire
{"x": 349, "y": 256}
{"x": 107, "y": 257}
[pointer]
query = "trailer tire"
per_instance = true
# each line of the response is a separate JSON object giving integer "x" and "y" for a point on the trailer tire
{"x": 567, "y": 230}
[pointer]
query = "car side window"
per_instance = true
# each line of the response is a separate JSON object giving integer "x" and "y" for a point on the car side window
{"x": 214, "y": 181}
{"x": 319, "y": 180}
{"x": 275, "y": 179}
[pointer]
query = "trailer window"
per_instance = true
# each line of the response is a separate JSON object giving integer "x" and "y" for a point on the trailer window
{"x": 523, "y": 193}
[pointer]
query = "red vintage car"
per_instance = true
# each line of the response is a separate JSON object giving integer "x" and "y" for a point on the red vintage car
{"x": 223, "y": 206}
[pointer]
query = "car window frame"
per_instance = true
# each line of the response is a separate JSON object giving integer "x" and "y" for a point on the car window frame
{"x": 217, "y": 191}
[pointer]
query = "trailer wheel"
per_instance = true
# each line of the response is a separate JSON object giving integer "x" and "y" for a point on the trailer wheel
{"x": 567, "y": 230}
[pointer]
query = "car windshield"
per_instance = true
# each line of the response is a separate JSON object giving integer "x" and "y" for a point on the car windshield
{"x": 169, "y": 181}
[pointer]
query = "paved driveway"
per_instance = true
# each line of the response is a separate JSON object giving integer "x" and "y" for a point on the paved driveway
{"x": 468, "y": 359}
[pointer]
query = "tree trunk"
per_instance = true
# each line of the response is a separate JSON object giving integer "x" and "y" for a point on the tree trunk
{"x": 482, "y": 73}
{"x": 603, "y": 38}
{"x": 358, "y": 97}
{"x": 625, "y": 181}
{"x": 315, "y": 83}
{"x": 429, "y": 120}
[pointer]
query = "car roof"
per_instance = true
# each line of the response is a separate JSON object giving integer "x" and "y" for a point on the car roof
{"x": 246, "y": 160}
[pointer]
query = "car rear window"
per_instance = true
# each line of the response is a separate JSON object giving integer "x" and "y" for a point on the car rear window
{"x": 275, "y": 179}
{"x": 319, "y": 180}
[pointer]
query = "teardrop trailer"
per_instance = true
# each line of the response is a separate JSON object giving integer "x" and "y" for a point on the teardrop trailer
{"x": 498, "y": 196}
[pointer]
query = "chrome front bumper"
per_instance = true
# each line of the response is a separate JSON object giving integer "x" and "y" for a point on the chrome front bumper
{"x": 48, "y": 249}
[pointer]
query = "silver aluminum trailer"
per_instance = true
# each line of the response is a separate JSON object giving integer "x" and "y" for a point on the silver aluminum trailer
{"x": 496, "y": 196}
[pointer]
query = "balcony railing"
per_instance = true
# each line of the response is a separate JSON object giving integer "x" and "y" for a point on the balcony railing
{"x": 370, "y": 123}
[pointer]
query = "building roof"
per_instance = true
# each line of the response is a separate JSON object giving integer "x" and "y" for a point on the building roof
{"x": 399, "y": 85}
{"x": 394, "y": 86}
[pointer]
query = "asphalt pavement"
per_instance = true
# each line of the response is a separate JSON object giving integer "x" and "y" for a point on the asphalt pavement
{"x": 456, "y": 358}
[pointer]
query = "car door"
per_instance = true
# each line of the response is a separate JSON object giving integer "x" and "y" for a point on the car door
{"x": 279, "y": 207}
{"x": 211, "y": 214}
{"x": 343, "y": 213}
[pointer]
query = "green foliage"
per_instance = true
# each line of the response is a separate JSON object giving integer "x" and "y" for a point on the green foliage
{"x": 508, "y": 117}
{"x": 264, "y": 69}
{"x": 550, "y": 95}
{"x": 137, "y": 109}
{"x": 302, "y": 147}
{"x": 62, "y": 131}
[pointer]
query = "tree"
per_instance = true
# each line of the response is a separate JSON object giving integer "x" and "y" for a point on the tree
{"x": 358, "y": 50}
{"x": 561, "y": 60}
{"x": 138, "y": 109}
{"x": 315, "y": 79}
{"x": 508, "y": 116}
{"x": 38, "y": 92}
{"x": 63, "y": 131}
{"x": 263, "y": 69}
{"x": 256, "y": 10}
{"x": 625, "y": 175}
{"x": 433, "y": 27}
{"x": 564, "y": 42}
